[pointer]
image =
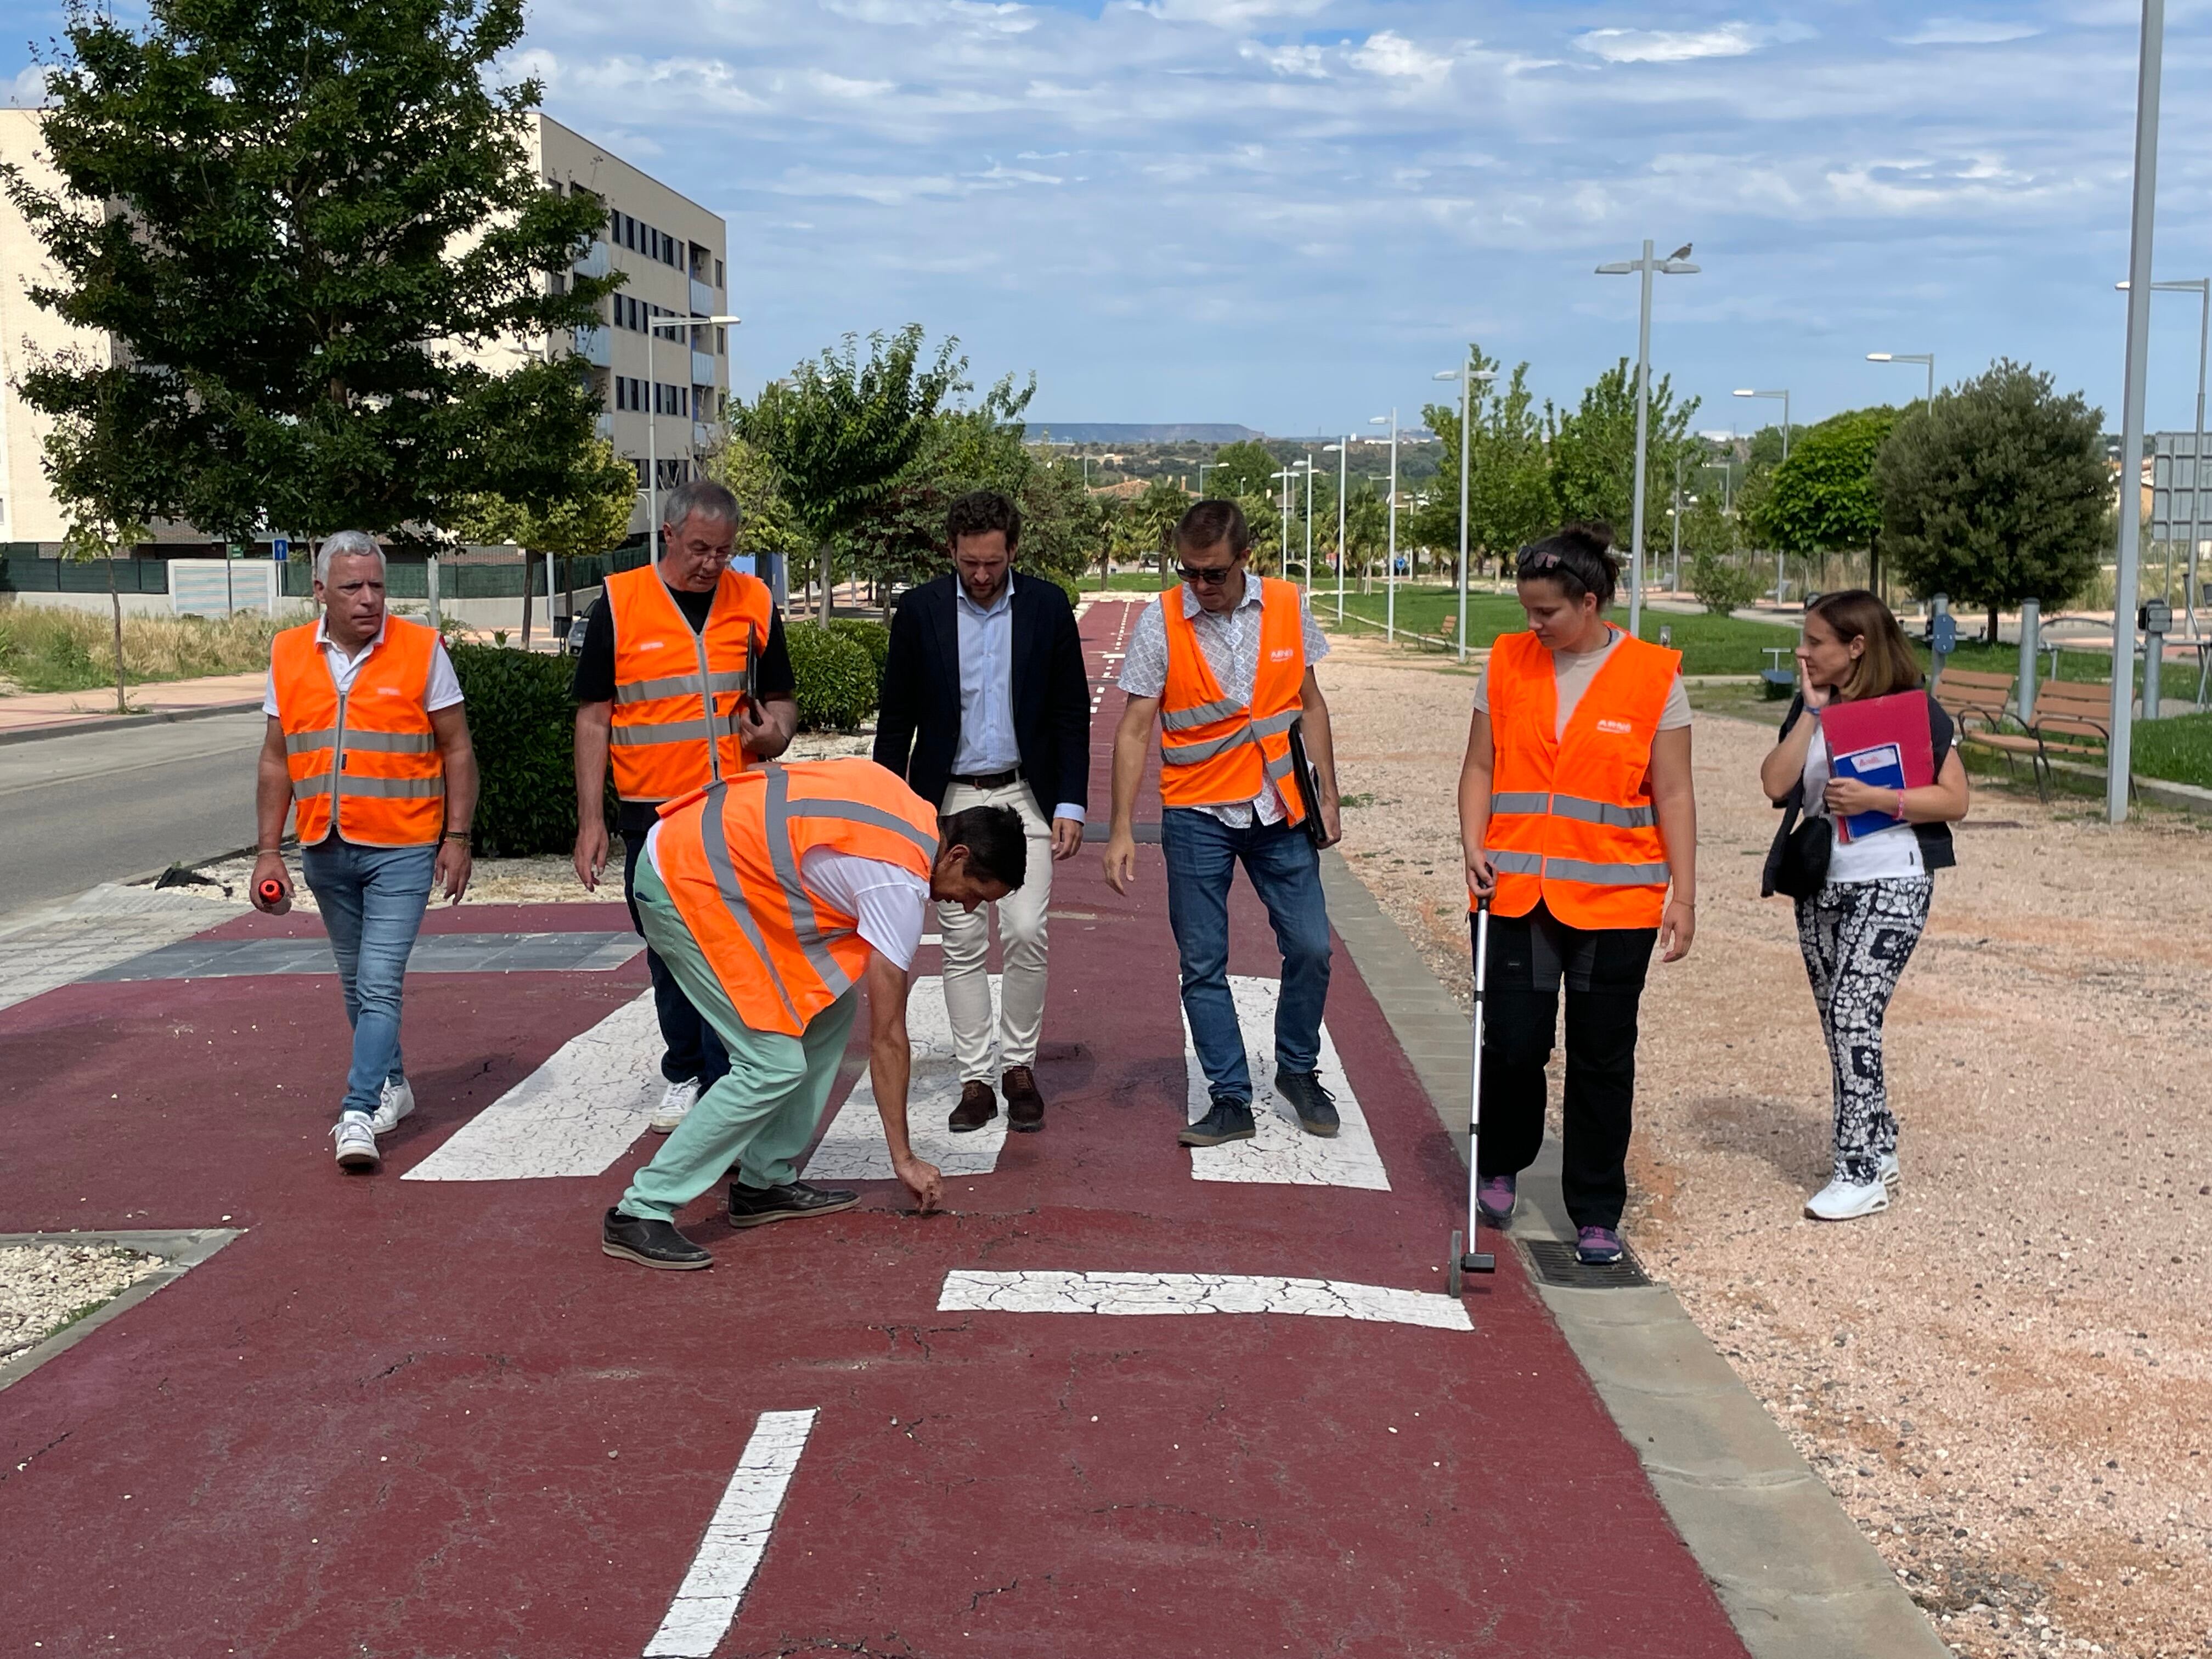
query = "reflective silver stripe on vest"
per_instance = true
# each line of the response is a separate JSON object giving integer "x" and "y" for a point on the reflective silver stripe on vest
{"x": 1181, "y": 719}
{"x": 1607, "y": 875}
{"x": 680, "y": 685}
{"x": 631, "y": 736}
{"x": 1517, "y": 864}
{"x": 300, "y": 743}
{"x": 808, "y": 927}
{"x": 389, "y": 743}
{"x": 854, "y": 812}
{"x": 350, "y": 783}
{"x": 1189, "y": 754}
{"x": 307, "y": 788}
{"x": 715, "y": 837}
{"x": 1519, "y": 800}
{"x": 1268, "y": 726}
{"x": 1604, "y": 812}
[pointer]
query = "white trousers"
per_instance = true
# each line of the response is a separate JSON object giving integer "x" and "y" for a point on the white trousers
{"x": 966, "y": 940}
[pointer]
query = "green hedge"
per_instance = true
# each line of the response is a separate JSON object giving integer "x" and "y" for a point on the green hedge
{"x": 871, "y": 637}
{"x": 836, "y": 678}
{"x": 522, "y": 721}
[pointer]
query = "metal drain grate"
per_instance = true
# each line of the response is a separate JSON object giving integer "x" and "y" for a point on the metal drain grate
{"x": 1555, "y": 1263}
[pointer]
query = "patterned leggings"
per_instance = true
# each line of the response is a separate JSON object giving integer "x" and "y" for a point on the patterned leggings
{"x": 1856, "y": 937}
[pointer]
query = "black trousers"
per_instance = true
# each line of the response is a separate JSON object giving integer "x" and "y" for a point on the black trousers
{"x": 693, "y": 1049}
{"x": 1603, "y": 970}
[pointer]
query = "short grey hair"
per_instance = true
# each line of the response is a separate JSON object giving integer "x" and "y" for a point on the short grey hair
{"x": 702, "y": 496}
{"x": 347, "y": 543}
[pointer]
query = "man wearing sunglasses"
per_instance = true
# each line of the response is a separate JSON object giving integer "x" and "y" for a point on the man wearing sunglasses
{"x": 1225, "y": 664}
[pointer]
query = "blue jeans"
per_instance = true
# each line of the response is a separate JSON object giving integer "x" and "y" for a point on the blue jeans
{"x": 690, "y": 1049}
{"x": 372, "y": 900}
{"x": 1285, "y": 871}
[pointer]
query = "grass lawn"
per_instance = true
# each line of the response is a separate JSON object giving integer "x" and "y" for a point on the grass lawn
{"x": 53, "y": 650}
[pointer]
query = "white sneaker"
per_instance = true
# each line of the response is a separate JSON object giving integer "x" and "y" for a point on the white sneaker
{"x": 356, "y": 1143}
{"x": 1891, "y": 1176}
{"x": 394, "y": 1103}
{"x": 1845, "y": 1200}
{"x": 675, "y": 1101}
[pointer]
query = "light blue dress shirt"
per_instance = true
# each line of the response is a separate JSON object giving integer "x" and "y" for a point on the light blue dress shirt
{"x": 988, "y": 743}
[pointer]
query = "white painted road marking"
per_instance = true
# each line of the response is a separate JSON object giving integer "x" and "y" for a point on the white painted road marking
{"x": 1282, "y": 1151}
{"x": 573, "y": 1115}
{"x": 736, "y": 1538}
{"x": 852, "y": 1148}
{"x": 969, "y": 1291}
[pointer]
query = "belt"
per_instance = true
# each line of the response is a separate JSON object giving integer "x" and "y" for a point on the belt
{"x": 989, "y": 780}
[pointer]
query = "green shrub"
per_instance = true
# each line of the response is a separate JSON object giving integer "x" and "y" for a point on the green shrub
{"x": 522, "y": 719}
{"x": 837, "y": 679}
{"x": 871, "y": 637}
{"x": 1721, "y": 585}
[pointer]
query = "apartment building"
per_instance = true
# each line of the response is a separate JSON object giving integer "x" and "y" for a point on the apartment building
{"x": 662, "y": 392}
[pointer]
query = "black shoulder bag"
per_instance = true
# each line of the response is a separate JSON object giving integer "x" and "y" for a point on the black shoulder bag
{"x": 1799, "y": 865}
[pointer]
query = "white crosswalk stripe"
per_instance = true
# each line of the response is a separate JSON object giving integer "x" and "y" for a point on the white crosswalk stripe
{"x": 1281, "y": 1151}
{"x": 852, "y": 1148}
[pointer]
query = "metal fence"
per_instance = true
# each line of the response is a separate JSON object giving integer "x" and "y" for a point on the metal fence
{"x": 478, "y": 574}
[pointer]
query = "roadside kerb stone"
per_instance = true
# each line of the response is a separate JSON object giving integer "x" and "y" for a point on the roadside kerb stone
{"x": 181, "y": 1249}
{"x": 1794, "y": 1571}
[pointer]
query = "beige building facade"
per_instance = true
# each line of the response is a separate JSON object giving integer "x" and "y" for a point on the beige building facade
{"x": 662, "y": 392}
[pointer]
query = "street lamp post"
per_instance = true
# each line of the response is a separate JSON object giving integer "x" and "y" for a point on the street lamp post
{"x": 1287, "y": 475}
{"x": 1390, "y": 561}
{"x": 1676, "y": 263}
{"x": 1467, "y": 378}
{"x": 1780, "y": 559}
{"x": 2201, "y": 287}
{"x": 1927, "y": 357}
{"x": 1309, "y": 531}
{"x": 1343, "y": 463}
{"x": 1674, "y": 574}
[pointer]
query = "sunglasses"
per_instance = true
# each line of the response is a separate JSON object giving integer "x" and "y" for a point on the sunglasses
{"x": 1204, "y": 578}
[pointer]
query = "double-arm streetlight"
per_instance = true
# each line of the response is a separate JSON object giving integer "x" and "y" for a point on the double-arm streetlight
{"x": 1390, "y": 565}
{"x": 1676, "y": 263}
{"x": 1289, "y": 475}
{"x": 1343, "y": 452}
{"x": 1927, "y": 357}
{"x": 653, "y": 325}
{"x": 1467, "y": 378}
{"x": 2201, "y": 287}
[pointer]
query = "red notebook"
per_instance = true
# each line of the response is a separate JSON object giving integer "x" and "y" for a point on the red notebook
{"x": 1882, "y": 741}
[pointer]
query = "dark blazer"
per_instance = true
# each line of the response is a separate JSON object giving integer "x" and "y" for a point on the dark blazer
{"x": 918, "y": 721}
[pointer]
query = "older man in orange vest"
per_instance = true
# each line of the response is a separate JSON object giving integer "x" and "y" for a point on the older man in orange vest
{"x": 684, "y": 679}
{"x": 1225, "y": 664}
{"x": 773, "y": 895}
{"x": 367, "y": 744}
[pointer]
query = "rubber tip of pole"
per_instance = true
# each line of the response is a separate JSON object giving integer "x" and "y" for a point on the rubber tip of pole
{"x": 271, "y": 890}
{"x": 1478, "y": 1261}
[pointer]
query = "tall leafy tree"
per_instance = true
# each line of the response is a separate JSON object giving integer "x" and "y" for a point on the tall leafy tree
{"x": 1509, "y": 499}
{"x": 841, "y": 432}
{"x": 1998, "y": 493}
{"x": 1148, "y": 523}
{"x": 1239, "y": 470}
{"x": 326, "y": 211}
{"x": 1823, "y": 499}
{"x": 766, "y": 528}
{"x": 576, "y": 526}
{"x": 1593, "y": 446}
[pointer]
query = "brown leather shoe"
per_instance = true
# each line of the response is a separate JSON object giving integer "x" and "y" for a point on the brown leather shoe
{"x": 1024, "y": 1105}
{"x": 977, "y": 1107}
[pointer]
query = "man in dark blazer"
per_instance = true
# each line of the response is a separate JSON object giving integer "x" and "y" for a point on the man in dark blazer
{"x": 985, "y": 703}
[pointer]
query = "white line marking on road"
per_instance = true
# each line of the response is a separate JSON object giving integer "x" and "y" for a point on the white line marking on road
{"x": 1282, "y": 1151}
{"x": 969, "y": 1291}
{"x": 736, "y": 1538}
{"x": 573, "y": 1115}
{"x": 852, "y": 1148}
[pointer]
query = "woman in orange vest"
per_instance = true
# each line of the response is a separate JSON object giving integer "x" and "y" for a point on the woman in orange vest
{"x": 1579, "y": 826}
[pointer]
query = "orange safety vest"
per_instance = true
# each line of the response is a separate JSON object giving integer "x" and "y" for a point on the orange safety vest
{"x": 677, "y": 692}
{"x": 729, "y": 853}
{"x": 1214, "y": 750}
{"x": 370, "y": 748}
{"x": 1571, "y": 816}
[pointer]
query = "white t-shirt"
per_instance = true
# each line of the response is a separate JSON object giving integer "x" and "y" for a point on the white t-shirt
{"x": 1885, "y": 853}
{"x": 1571, "y": 674}
{"x": 889, "y": 903}
{"x": 444, "y": 689}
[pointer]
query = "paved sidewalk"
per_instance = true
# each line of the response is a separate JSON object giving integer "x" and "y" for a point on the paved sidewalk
{"x": 1122, "y": 1399}
{"x": 37, "y": 713}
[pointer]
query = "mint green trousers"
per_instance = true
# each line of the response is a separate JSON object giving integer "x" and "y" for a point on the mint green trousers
{"x": 762, "y": 1115}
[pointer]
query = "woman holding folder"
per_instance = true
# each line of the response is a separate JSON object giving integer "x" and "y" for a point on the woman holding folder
{"x": 1866, "y": 756}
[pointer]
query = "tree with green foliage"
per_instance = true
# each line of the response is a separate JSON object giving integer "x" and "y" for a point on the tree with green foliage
{"x": 1822, "y": 500}
{"x": 1509, "y": 500}
{"x": 1147, "y": 524}
{"x": 327, "y": 212}
{"x": 1998, "y": 492}
{"x": 576, "y": 526}
{"x": 1593, "y": 446}
{"x": 841, "y": 433}
{"x": 1239, "y": 470}
{"x": 767, "y": 527}
{"x": 110, "y": 480}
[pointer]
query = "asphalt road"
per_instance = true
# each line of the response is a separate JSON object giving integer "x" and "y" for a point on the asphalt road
{"x": 78, "y": 810}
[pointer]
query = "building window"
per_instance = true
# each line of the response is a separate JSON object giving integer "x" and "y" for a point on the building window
{"x": 721, "y": 341}
{"x": 718, "y": 275}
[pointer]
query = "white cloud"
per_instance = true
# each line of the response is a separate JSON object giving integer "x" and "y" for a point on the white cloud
{"x": 1671, "y": 45}
{"x": 1964, "y": 32}
{"x": 1388, "y": 53}
{"x": 28, "y": 89}
{"x": 1230, "y": 14}
{"x": 1305, "y": 61}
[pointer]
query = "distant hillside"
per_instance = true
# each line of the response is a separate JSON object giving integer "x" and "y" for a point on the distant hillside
{"x": 1137, "y": 432}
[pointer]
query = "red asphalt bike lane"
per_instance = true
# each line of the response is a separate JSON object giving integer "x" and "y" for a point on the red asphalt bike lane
{"x": 430, "y": 1419}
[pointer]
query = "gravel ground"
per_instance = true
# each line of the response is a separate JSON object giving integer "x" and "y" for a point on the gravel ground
{"x": 2005, "y": 1378}
{"x": 43, "y": 1288}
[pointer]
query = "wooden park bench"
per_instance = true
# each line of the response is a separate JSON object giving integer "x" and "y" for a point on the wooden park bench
{"x": 1974, "y": 699}
{"x": 2068, "y": 714}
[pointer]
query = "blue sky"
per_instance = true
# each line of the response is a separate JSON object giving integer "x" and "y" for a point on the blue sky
{"x": 1288, "y": 213}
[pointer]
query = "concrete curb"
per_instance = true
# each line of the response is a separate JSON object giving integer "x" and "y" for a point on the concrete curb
{"x": 1793, "y": 1571}
{"x": 2162, "y": 792}
{"x": 66, "y": 727}
{"x": 182, "y": 1249}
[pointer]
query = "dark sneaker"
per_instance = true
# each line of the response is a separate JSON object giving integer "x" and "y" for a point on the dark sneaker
{"x": 1597, "y": 1247}
{"x": 1024, "y": 1105}
{"x": 1230, "y": 1120}
{"x": 977, "y": 1107}
{"x": 755, "y": 1207}
{"x": 1495, "y": 1196}
{"x": 1314, "y": 1105}
{"x": 649, "y": 1244}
